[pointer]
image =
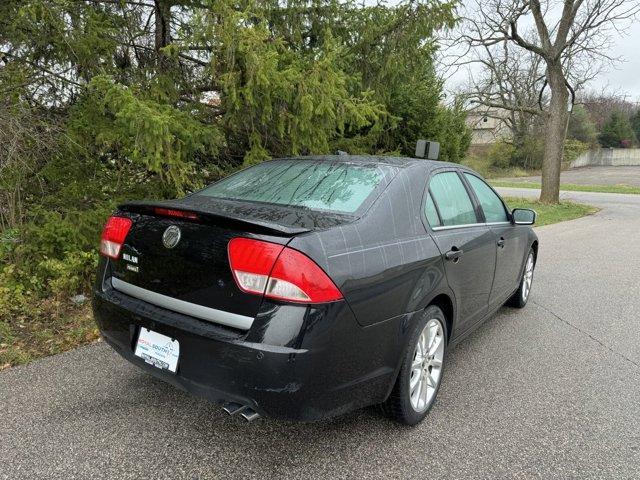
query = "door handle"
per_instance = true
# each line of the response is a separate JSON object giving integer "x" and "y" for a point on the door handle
{"x": 501, "y": 242}
{"x": 454, "y": 254}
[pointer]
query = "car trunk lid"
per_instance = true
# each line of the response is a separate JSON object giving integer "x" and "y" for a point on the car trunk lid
{"x": 191, "y": 269}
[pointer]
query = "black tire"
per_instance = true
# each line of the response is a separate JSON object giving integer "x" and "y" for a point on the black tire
{"x": 398, "y": 406}
{"x": 519, "y": 299}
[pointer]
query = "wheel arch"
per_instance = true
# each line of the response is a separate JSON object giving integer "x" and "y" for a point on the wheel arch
{"x": 445, "y": 303}
{"x": 534, "y": 246}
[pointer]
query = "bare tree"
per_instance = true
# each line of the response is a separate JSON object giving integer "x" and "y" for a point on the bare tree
{"x": 601, "y": 105}
{"x": 570, "y": 40}
{"x": 507, "y": 89}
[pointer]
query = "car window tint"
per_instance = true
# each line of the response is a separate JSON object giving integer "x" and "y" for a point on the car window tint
{"x": 491, "y": 204}
{"x": 431, "y": 212}
{"x": 318, "y": 185}
{"x": 452, "y": 199}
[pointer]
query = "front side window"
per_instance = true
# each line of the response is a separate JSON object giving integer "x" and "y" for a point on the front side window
{"x": 491, "y": 204}
{"x": 340, "y": 187}
{"x": 452, "y": 200}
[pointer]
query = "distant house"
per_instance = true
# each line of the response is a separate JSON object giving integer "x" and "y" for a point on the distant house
{"x": 487, "y": 125}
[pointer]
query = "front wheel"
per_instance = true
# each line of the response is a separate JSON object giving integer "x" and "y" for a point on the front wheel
{"x": 419, "y": 378}
{"x": 520, "y": 298}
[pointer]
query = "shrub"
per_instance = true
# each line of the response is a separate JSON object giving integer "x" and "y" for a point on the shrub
{"x": 635, "y": 124}
{"x": 479, "y": 163}
{"x": 8, "y": 241}
{"x": 500, "y": 154}
{"x": 14, "y": 292}
{"x": 529, "y": 153}
{"x": 573, "y": 149}
{"x": 617, "y": 132}
{"x": 70, "y": 275}
{"x": 581, "y": 128}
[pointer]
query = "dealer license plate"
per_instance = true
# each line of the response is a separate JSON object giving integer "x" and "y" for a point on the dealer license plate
{"x": 158, "y": 350}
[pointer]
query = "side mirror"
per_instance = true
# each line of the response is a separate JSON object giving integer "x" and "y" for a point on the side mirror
{"x": 523, "y": 216}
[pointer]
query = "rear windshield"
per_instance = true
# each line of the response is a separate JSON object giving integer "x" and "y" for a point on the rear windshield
{"x": 318, "y": 185}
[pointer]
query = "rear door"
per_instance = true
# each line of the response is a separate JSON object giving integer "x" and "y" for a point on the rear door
{"x": 465, "y": 242}
{"x": 510, "y": 239}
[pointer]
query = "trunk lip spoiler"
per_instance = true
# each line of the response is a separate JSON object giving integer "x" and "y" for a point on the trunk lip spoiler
{"x": 147, "y": 208}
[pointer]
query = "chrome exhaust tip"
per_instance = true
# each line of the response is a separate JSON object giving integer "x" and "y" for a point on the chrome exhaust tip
{"x": 246, "y": 412}
{"x": 232, "y": 408}
{"x": 250, "y": 414}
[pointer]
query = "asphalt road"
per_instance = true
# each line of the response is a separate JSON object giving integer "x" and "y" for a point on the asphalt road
{"x": 593, "y": 176}
{"x": 549, "y": 391}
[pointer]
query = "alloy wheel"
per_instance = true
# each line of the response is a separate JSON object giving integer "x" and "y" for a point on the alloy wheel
{"x": 426, "y": 368}
{"x": 527, "y": 278}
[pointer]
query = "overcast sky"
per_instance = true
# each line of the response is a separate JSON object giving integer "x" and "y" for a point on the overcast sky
{"x": 623, "y": 78}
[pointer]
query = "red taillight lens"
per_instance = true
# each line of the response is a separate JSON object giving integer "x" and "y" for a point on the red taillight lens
{"x": 295, "y": 270}
{"x": 170, "y": 212}
{"x": 251, "y": 263}
{"x": 113, "y": 235}
{"x": 279, "y": 272}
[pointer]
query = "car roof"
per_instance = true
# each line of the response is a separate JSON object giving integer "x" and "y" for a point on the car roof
{"x": 400, "y": 162}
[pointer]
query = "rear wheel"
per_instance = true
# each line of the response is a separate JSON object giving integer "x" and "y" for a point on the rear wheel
{"x": 520, "y": 298}
{"x": 420, "y": 375}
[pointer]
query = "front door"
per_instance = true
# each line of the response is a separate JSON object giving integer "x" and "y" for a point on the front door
{"x": 510, "y": 239}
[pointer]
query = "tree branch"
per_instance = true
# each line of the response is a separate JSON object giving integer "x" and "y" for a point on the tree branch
{"x": 41, "y": 68}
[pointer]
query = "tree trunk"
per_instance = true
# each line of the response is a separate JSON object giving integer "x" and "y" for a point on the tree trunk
{"x": 556, "y": 132}
{"x": 162, "y": 30}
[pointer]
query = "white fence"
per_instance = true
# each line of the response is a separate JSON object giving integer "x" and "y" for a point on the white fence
{"x": 612, "y": 157}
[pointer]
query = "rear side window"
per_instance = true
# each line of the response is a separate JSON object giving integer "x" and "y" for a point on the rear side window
{"x": 452, "y": 200}
{"x": 319, "y": 185}
{"x": 491, "y": 204}
{"x": 431, "y": 212}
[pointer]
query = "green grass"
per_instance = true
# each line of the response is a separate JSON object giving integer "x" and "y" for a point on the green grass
{"x": 552, "y": 213}
{"x": 485, "y": 168}
{"x": 572, "y": 187}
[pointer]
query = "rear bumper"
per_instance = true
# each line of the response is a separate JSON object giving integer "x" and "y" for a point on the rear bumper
{"x": 296, "y": 362}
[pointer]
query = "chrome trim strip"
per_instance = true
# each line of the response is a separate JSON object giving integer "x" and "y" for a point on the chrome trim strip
{"x": 466, "y": 225}
{"x": 187, "y": 308}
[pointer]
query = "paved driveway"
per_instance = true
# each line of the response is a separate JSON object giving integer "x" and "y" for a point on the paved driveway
{"x": 594, "y": 176}
{"x": 549, "y": 391}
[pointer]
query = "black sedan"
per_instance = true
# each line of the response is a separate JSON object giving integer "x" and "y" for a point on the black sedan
{"x": 304, "y": 288}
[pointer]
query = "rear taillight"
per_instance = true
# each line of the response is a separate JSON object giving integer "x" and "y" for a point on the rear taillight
{"x": 279, "y": 272}
{"x": 113, "y": 235}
